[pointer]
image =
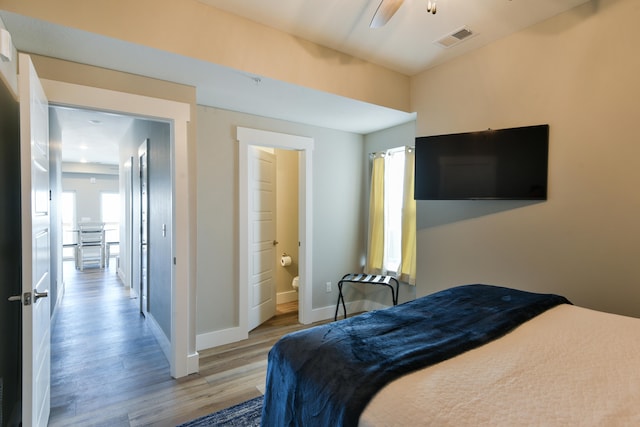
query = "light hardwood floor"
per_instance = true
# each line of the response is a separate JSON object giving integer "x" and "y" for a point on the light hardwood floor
{"x": 108, "y": 370}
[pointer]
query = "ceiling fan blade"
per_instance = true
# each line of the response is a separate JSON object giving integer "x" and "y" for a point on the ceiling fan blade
{"x": 385, "y": 11}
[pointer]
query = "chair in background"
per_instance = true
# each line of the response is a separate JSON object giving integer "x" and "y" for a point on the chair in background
{"x": 91, "y": 245}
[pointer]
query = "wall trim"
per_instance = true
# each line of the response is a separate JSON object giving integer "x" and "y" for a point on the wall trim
{"x": 328, "y": 312}
{"x": 159, "y": 334}
{"x": 287, "y": 296}
{"x": 221, "y": 337}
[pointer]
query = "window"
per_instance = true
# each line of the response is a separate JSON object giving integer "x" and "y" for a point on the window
{"x": 68, "y": 223}
{"x": 110, "y": 214}
{"x": 392, "y": 215}
{"x": 393, "y": 194}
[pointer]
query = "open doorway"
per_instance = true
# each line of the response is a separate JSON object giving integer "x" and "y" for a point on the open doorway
{"x": 273, "y": 212}
{"x": 104, "y": 182}
{"x": 101, "y": 187}
{"x": 287, "y": 279}
{"x": 97, "y": 170}
{"x": 91, "y": 181}
{"x": 248, "y": 140}
{"x": 95, "y": 189}
{"x": 179, "y": 343}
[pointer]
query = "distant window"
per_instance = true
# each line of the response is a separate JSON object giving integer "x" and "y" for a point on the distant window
{"x": 393, "y": 195}
{"x": 68, "y": 223}
{"x": 110, "y": 214}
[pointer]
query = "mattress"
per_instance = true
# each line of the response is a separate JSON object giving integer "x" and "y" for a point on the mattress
{"x": 567, "y": 366}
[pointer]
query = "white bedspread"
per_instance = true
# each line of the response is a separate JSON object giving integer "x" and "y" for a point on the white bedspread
{"x": 570, "y": 366}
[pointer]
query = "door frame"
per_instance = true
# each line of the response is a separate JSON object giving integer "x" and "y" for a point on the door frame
{"x": 253, "y": 137}
{"x": 183, "y": 357}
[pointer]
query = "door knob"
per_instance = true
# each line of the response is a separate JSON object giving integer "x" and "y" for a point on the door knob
{"x": 37, "y": 295}
{"x": 275, "y": 242}
{"x": 27, "y": 296}
{"x": 26, "y": 300}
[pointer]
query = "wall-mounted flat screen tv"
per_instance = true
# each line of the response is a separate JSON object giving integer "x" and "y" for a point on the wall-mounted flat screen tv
{"x": 488, "y": 165}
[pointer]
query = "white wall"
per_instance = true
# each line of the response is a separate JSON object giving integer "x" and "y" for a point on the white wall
{"x": 337, "y": 210}
{"x": 578, "y": 72}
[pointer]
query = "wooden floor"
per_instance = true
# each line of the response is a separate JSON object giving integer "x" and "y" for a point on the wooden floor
{"x": 108, "y": 370}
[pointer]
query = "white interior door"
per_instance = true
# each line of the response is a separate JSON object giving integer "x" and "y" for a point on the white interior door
{"x": 262, "y": 235}
{"x": 34, "y": 155}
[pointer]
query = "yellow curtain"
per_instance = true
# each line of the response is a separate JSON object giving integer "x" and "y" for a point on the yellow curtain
{"x": 408, "y": 266}
{"x": 375, "y": 241}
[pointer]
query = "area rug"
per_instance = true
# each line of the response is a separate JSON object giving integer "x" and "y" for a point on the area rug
{"x": 245, "y": 414}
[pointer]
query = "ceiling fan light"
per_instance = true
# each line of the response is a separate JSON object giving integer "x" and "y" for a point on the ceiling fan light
{"x": 431, "y": 7}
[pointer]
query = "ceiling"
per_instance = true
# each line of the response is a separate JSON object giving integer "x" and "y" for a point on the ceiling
{"x": 405, "y": 44}
{"x": 91, "y": 136}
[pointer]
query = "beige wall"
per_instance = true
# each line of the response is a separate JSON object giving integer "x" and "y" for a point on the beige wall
{"x": 579, "y": 73}
{"x": 87, "y": 75}
{"x": 194, "y": 29}
{"x": 287, "y": 217}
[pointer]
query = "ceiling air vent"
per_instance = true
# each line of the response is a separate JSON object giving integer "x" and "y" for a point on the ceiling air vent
{"x": 454, "y": 38}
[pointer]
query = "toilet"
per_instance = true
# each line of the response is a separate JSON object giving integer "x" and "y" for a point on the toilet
{"x": 295, "y": 283}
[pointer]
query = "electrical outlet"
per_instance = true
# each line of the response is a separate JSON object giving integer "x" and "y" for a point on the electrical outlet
{"x": 328, "y": 286}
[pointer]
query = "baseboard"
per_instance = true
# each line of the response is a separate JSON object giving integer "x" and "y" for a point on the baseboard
{"x": 121, "y": 275}
{"x": 193, "y": 363}
{"x": 327, "y": 313}
{"x": 287, "y": 296}
{"x": 227, "y": 336}
{"x": 162, "y": 339}
{"x": 218, "y": 338}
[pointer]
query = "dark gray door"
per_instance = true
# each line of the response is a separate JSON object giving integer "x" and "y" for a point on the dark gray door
{"x": 10, "y": 243}
{"x": 144, "y": 228}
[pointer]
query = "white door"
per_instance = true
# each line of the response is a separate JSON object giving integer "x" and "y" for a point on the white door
{"x": 262, "y": 236}
{"x": 34, "y": 155}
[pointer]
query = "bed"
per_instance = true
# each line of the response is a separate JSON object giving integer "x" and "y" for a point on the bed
{"x": 469, "y": 355}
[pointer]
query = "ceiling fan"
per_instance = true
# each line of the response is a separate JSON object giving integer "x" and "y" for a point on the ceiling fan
{"x": 387, "y": 8}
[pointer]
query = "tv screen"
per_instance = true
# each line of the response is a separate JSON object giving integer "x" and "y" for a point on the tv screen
{"x": 492, "y": 164}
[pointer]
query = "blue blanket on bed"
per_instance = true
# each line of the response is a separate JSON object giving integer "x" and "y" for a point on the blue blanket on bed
{"x": 326, "y": 375}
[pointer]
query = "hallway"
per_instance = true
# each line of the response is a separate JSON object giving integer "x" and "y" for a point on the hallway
{"x": 108, "y": 370}
{"x": 102, "y": 351}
